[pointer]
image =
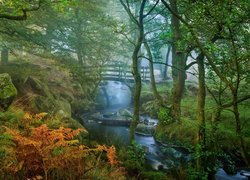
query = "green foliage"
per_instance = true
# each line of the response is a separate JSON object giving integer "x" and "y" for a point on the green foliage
{"x": 193, "y": 174}
{"x": 11, "y": 118}
{"x": 151, "y": 108}
{"x": 134, "y": 162}
{"x": 153, "y": 175}
{"x": 184, "y": 133}
{"x": 5, "y": 141}
{"x": 6, "y": 151}
{"x": 164, "y": 115}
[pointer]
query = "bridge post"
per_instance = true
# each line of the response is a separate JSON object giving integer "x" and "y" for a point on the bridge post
{"x": 119, "y": 72}
{"x": 144, "y": 71}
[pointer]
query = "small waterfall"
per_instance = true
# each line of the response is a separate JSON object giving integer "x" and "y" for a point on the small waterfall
{"x": 113, "y": 95}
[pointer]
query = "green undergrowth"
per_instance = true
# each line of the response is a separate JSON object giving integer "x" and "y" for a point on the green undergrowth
{"x": 183, "y": 133}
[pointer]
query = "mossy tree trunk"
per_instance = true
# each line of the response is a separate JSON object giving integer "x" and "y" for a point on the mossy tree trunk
{"x": 135, "y": 64}
{"x": 165, "y": 71}
{"x": 4, "y": 56}
{"x": 179, "y": 64}
{"x": 201, "y": 100}
{"x": 79, "y": 40}
{"x": 152, "y": 77}
{"x": 138, "y": 21}
{"x": 239, "y": 131}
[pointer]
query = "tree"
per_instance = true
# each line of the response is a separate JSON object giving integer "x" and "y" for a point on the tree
{"x": 226, "y": 56}
{"x": 12, "y": 13}
{"x": 135, "y": 62}
{"x": 178, "y": 61}
{"x": 137, "y": 18}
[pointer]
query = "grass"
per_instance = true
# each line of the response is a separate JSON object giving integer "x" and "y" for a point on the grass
{"x": 186, "y": 132}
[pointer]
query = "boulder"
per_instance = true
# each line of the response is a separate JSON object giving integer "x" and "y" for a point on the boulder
{"x": 78, "y": 90}
{"x": 42, "y": 104}
{"x": 7, "y": 91}
{"x": 172, "y": 153}
{"x": 125, "y": 113}
{"x": 145, "y": 130}
{"x": 63, "y": 109}
{"x": 38, "y": 87}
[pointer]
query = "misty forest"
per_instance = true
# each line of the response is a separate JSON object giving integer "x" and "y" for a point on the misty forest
{"x": 125, "y": 89}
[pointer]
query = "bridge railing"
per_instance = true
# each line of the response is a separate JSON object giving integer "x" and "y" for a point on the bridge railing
{"x": 116, "y": 71}
{"x": 122, "y": 72}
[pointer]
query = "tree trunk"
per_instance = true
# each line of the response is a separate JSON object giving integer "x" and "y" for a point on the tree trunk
{"x": 137, "y": 91}
{"x": 79, "y": 40}
{"x": 165, "y": 70}
{"x": 179, "y": 64}
{"x": 135, "y": 62}
{"x": 152, "y": 77}
{"x": 201, "y": 100}
{"x": 201, "y": 109}
{"x": 4, "y": 56}
{"x": 238, "y": 130}
{"x": 136, "y": 72}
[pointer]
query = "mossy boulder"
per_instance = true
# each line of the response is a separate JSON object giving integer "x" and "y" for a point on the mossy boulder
{"x": 42, "y": 104}
{"x": 78, "y": 90}
{"x": 37, "y": 87}
{"x": 7, "y": 91}
{"x": 63, "y": 109}
{"x": 145, "y": 130}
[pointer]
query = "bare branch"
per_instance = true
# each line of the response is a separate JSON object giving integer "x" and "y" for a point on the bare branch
{"x": 190, "y": 65}
{"x": 238, "y": 101}
{"x": 151, "y": 9}
{"x": 168, "y": 65}
{"x": 128, "y": 10}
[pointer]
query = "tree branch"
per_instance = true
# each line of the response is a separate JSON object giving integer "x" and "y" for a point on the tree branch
{"x": 190, "y": 65}
{"x": 127, "y": 9}
{"x": 239, "y": 101}
{"x": 151, "y": 9}
{"x": 209, "y": 57}
{"x": 168, "y": 65}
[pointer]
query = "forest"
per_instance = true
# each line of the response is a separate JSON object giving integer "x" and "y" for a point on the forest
{"x": 125, "y": 89}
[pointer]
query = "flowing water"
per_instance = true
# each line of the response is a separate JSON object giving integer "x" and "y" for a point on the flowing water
{"x": 112, "y": 97}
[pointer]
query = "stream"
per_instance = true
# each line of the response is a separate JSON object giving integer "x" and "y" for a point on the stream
{"x": 157, "y": 156}
{"x": 114, "y": 101}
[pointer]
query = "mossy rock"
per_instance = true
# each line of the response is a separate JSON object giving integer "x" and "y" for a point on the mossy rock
{"x": 7, "y": 91}
{"x": 38, "y": 87}
{"x": 63, "y": 106}
{"x": 145, "y": 129}
{"x": 81, "y": 106}
{"x": 42, "y": 104}
{"x": 67, "y": 95}
{"x": 79, "y": 92}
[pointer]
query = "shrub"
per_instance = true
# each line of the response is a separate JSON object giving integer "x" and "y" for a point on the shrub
{"x": 52, "y": 153}
{"x": 165, "y": 116}
{"x": 135, "y": 160}
{"x": 153, "y": 175}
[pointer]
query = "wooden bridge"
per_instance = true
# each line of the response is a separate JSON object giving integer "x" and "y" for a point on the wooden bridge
{"x": 123, "y": 72}
{"x": 117, "y": 71}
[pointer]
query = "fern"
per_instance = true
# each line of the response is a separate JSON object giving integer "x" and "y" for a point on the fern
{"x": 44, "y": 151}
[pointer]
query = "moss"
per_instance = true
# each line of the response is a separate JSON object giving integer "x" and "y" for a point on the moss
{"x": 178, "y": 133}
{"x": 7, "y": 91}
{"x": 154, "y": 175}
